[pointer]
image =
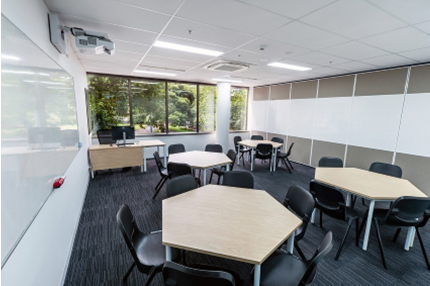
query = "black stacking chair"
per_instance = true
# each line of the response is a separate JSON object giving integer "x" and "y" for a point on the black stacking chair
{"x": 330, "y": 162}
{"x": 241, "y": 148}
{"x": 176, "y": 148}
{"x": 179, "y": 185}
{"x": 163, "y": 173}
{"x": 231, "y": 154}
{"x": 300, "y": 202}
{"x": 282, "y": 268}
{"x": 148, "y": 253}
{"x": 278, "y": 140}
{"x": 177, "y": 169}
{"x": 213, "y": 148}
{"x": 257, "y": 137}
{"x": 404, "y": 212}
{"x": 264, "y": 152}
{"x": 284, "y": 158}
{"x": 179, "y": 275}
{"x": 331, "y": 202}
{"x": 238, "y": 179}
{"x": 105, "y": 136}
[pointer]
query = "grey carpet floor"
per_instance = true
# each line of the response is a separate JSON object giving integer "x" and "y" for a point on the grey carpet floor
{"x": 100, "y": 255}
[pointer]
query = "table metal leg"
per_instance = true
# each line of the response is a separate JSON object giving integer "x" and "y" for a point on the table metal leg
{"x": 165, "y": 154}
{"x": 368, "y": 224}
{"x": 274, "y": 161}
{"x": 227, "y": 167}
{"x": 144, "y": 160}
{"x": 257, "y": 274}
{"x": 252, "y": 159}
{"x": 204, "y": 177}
{"x": 168, "y": 253}
{"x": 313, "y": 215}
{"x": 290, "y": 243}
{"x": 92, "y": 174}
{"x": 410, "y": 238}
{"x": 348, "y": 199}
{"x": 237, "y": 155}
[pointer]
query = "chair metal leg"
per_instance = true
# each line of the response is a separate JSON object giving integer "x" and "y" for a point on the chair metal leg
{"x": 423, "y": 249}
{"x": 350, "y": 221}
{"x": 354, "y": 199}
{"x": 159, "y": 188}
{"x": 286, "y": 165}
{"x": 151, "y": 275}
{"x": 363, "y": 202}
{"x": 363, "y": 223}
{"x": 210, "y": 178}
{"x": 321, "y": 214}
{"x": 219, "y": 179}
{"x": 291, "y": 165}
{"x": 356, "y": 232}
{"x": 381, "y": 248}
{"x": 124, "y": 279}
{"x": 396, "y": 235}
{"x": 159, "y": 182}
{"x": 296, "y": 245}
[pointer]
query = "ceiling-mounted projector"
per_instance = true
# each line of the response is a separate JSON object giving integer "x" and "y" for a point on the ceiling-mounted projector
{"x": 87, "y": 42}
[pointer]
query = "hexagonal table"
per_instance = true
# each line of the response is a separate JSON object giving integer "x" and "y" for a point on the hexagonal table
{"x": 246, "y": 225}
{"x": 201, "y": 160}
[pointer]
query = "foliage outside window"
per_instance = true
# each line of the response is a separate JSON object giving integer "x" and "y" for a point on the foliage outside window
{"x": 238, "y": 98}
{"x": 207, "y": 108}
{"x": 182, "y": 107}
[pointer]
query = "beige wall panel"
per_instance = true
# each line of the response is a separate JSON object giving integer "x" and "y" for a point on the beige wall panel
{"x": 336, "y": 87}
{"x": 362, "y": 158}
{"x": 261, "y": 93}
{"x": 419, "y": 79}
{"x": 381, "y": 83}
{"x": 326, "y": 149}
{"x": 281, "y": 91}
{"x": 301, "y": 151}
{"x": 271, "y": 135}
{"x": 253, "y": 132}
{"x": 306, "y": 89}
{"x": 416, "y": 169}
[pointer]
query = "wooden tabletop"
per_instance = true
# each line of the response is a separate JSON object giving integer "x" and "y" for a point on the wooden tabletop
{"x": 114, "y": 146}
{"x": 253, "y": 143}
{"x": 240, "y": 224}
{"x": 151, "y": 143}
{"x": 367, "y": 184}
{"x": 200, "y": 159}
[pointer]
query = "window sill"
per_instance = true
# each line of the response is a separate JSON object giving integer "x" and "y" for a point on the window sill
{"x": 179, "y": 134}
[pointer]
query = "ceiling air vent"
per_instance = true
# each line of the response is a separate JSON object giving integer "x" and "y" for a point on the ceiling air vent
{"x": 226, "y": 66}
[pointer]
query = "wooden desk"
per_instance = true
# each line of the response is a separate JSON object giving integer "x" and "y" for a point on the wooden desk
{"x": 253, "y": 144}
{"x": 245, "y": 225}
{"x": 104, "y": 157}
{"x": 371, "y": 186}
{"x": 152, "y": 143}
{"x": 201, "y": 160}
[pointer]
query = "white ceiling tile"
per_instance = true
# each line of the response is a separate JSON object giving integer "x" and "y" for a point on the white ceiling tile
{"x": 399, "y": 40}
{"x": 355, "y": 67}
{"x": 130, "y": 47}
{"x": 291, "y": 8}
{"x": 111, "y": 12}
{"x": 114, "y": 31}
{"x": 206, "y": 33}
{"x": 354, "y": 51}
{"x": 249, "y": 58}
{"x": 105, "y": 70}
{"x": 411, "y": 11}
{"x": 321, "y": 59}
{"x": 425, "y": 27}
{"x": 118, "y": 56}
{"x": 232, "y": 15}
{"x": 326, "y": 71}
{"x": 305, "y": 36}
{"x": 420, "y": 55}
{"x": 274, "y": 48}
{"x": 167, "y": 63}
{"x": 390, "y": 60}
{"x": 353, "y": 19}
{"x": 168, "y": 7}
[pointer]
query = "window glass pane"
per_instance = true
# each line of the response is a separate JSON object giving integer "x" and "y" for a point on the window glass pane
{"x": 238, "y": 102}
{"x": 182, "y": 107}
{"x": 111, "y": 101}
{"x": 148, "y": 106}
{"x": 207, "y": 108}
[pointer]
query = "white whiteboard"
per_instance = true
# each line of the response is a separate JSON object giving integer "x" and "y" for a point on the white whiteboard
{"x": 39, "y": 131}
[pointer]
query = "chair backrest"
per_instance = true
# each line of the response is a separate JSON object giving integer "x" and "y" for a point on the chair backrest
{"x": 289, "y": 149}
{"x": 176, "y": 148}
{"x": 257, "y": 137}
{"x": 300, "y": 201}
{"x": 175, "y": 274}
{"x": 179, "y": 185}
{"x": 128, "y": 227}
{"x": 386, "y": 169}
{"x": 105, "y": 136}
{"x": 236, "y": 139}
{"x": 325, "y": 246}
{"x": 409, "y": 211}
{"x": 213, "y": 148}
{"x": 178, "y": 169}
{"x": 332, "y": 162}
{"x": 158, "y": 161}
{"x": 238, "y": 179}
{"x": 231, "y": 154}
{"x": 328, "y": 199}
{"x": 264, "y": 149}
{"x": 277, "y": 139}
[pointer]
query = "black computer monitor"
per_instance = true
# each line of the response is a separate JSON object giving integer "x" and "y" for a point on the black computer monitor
{"x": 122, "y": 133}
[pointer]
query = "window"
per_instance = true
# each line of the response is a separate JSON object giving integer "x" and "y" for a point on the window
{"x": 148, "y": 106}
{"x": 207, "y": 108}
{"x": 238, "y": 101}
{"x": 182, "y": 100}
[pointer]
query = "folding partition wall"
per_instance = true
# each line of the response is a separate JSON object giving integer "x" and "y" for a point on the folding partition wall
{"x": 376, "y": 116}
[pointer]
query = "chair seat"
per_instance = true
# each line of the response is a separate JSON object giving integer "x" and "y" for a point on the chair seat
{"x": 150, "y": 250}
{"x": 164, "y": 172}
{"x": 282, "y": 269}
{"x": 238, "y": 281}
{"x": 219, "y": 171}
{"x": 381, "y": 213}
{"x": 282, "y": 155}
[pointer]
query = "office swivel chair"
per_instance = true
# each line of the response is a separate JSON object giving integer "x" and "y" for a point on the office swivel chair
{"x": 105, "y": 136}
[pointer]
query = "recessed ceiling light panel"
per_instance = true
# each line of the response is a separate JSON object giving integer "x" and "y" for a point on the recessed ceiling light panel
{"x": 188, "y": 49}
{"x": 290, "y": 67}
{"x": 155, "y": 73}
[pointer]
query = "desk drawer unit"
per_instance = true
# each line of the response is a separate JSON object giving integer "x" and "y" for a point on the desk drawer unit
{"x": 116, "y": 157}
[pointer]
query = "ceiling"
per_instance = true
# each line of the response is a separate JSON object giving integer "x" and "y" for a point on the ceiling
{"x": 330, "y": 36}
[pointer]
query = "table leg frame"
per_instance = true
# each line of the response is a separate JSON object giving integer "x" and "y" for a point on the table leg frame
{"x": 144, "y": 160}
{"x": 368, "y": 224}
{"x": 252, "y": 159}
{"x": 257, "y": 274}
{"x": 165, "y": 156}
{"x": 168, "y": 253}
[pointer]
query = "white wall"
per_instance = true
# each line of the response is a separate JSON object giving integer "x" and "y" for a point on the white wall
{"x": 42, "y": 256}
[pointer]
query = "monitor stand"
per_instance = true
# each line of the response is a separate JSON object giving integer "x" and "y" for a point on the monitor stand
{"x": 124, "y": 141}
